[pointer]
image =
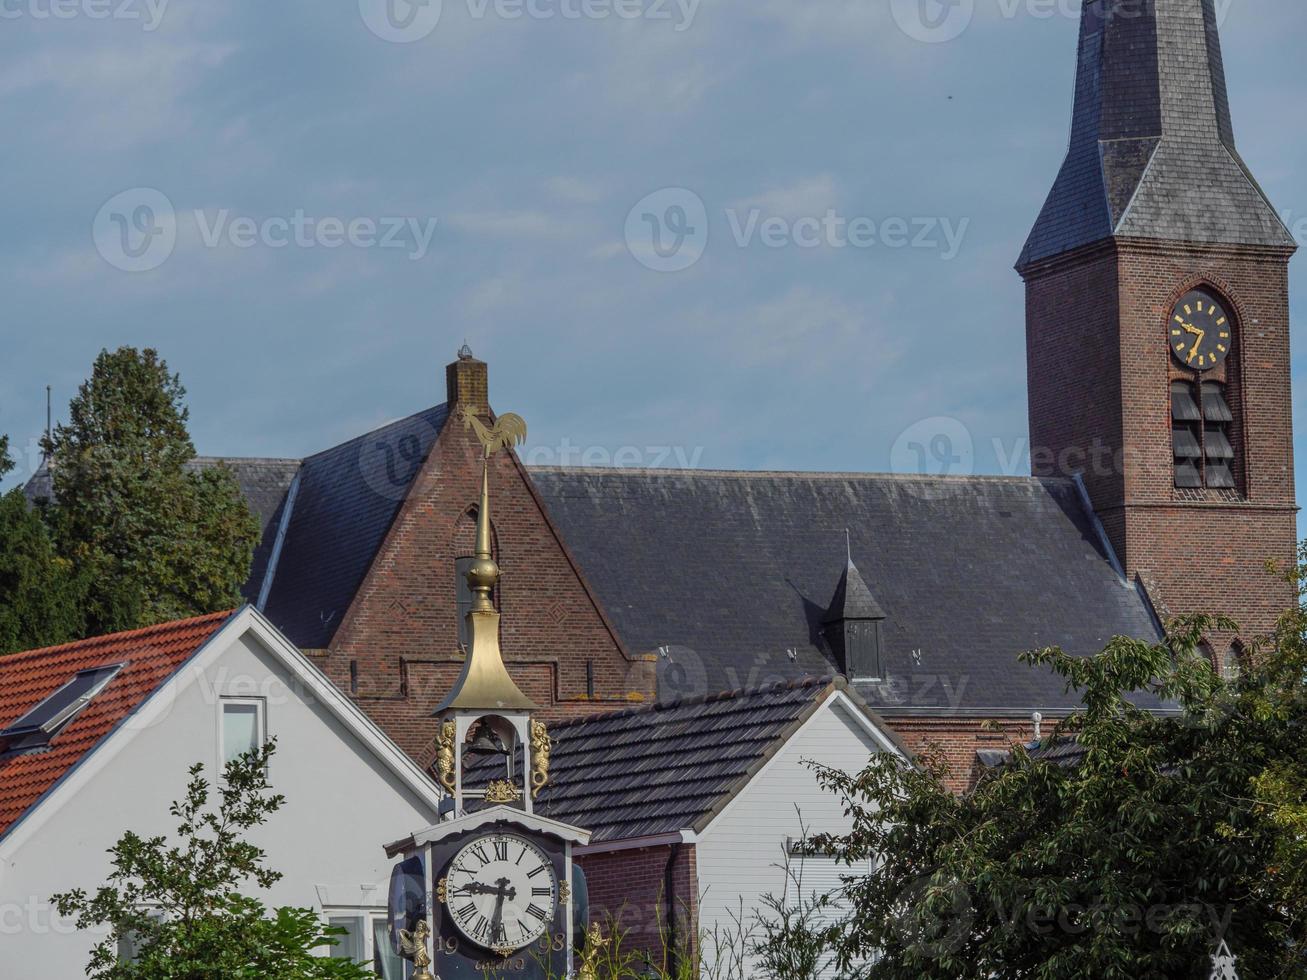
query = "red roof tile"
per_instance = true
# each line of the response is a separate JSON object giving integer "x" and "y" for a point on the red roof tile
{"x": 151, "y": 656}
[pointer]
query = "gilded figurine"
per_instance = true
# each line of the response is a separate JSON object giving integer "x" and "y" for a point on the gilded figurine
{"x": 414, "y": 945}
{"x": 594, "y": 947}
{"x": 507, "y": 432}
{"x": 540, "y": 749}
{"x": 445, "y": 759}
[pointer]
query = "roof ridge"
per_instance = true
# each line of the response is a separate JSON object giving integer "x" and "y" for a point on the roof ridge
{"x": 373, "y": 431}
{"x": 105, "y": 639}
{"x": 737, "y": 694}
{"x": 280, "y": 460}
{"x": 793, "y": 474}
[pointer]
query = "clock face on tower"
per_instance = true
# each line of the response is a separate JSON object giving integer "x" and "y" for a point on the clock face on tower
{"x": 1199, "y": 331}
{"x": 501, "y": 892}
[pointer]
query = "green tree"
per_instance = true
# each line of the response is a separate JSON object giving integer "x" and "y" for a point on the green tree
{"x": 159, "y": 540}
{"x": 40, "y": 593}
{"x": 1131, "y": 859}
{"x": 180, "y": 906}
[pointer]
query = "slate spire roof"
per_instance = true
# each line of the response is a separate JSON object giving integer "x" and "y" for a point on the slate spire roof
{"x": 1152, "y": 152}
{"x": 853, "y": 600}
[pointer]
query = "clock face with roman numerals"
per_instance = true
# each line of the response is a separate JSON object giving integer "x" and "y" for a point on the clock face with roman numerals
{"x": 1199, "y": 331}
{"x": 501, "y": 892}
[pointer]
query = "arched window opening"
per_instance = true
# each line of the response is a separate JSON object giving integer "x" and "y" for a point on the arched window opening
{"x": 1201, "y": 421}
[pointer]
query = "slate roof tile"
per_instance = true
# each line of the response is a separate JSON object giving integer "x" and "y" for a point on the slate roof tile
{"x": 347, "y": 500}
{"x": 669, "y": 767}
{"x": 724, "y": 574}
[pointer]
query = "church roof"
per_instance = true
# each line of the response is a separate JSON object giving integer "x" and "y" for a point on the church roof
{"x": 726, "y": 576}
{"x": 1152, "y": 152}
{"x": 345, "y": 503}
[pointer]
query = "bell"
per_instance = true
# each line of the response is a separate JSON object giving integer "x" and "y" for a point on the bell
{"x": 486, "y": 743}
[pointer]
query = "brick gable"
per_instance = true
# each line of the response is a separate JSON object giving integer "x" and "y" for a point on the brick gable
{"x": 397, "y": 651}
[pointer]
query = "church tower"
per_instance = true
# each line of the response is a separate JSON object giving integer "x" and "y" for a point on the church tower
{"x": 1157, "y": 321}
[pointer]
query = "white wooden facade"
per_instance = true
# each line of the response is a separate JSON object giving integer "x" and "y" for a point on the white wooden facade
{"x": 348, "y": 790}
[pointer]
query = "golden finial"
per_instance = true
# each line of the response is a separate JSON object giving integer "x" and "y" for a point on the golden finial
{"x": 485, "y": 684}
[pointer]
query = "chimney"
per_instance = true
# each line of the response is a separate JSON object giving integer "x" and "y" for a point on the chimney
{"x": 467, "y": 383}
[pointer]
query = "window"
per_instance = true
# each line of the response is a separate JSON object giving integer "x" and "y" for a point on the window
{"x": 243, "y": 727}
{"x": 464, "y": 593}
{"x": 863, "y": 639}
{"x": 35, "y": 729}
{"x": 366, "y": 940}
{"x": 1201, "y": 422}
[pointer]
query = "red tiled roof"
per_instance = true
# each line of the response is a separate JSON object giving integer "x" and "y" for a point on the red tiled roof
{"x": 151, "y": 656}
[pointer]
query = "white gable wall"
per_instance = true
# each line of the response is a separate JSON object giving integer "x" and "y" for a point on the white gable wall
{"x": 741, "y": 855}
{"x": 343, "y": 804}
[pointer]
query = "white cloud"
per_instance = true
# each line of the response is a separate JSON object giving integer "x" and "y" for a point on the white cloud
{"x": 807, "y": 197}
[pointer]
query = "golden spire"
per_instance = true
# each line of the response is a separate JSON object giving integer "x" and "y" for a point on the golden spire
{"x": 485, "y": 684}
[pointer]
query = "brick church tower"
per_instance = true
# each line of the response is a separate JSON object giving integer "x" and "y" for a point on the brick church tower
{"x": 1157, "y": 322}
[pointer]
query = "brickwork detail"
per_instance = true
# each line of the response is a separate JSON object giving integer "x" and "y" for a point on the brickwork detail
{"x": 399, "y": 639}
{"x": 1099, "y": 379}
{"x": 629, "y": 887}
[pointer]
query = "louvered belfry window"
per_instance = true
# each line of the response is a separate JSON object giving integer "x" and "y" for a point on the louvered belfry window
{"x": 1200, "y": 436}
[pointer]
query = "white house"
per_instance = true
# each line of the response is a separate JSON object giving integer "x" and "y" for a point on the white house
{"x": 96, "y": 738}
{"x": 699, "y": 808}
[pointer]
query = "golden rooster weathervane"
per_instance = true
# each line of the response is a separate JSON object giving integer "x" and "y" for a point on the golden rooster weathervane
{"x": 508, "y": 431}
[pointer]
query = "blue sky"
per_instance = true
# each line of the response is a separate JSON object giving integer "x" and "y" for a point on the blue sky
{"x": 499, "y": 155}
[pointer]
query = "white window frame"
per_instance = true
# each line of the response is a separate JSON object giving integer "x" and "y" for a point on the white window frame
{"x": 368, "y": 917}
{"x": 260, "y": 706}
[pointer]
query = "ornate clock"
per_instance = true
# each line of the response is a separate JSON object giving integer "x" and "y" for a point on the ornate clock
{"x": 501, "y": 892}
{"x": 1199, "y": 331}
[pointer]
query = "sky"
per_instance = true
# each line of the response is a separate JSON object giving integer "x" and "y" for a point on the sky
{"x": 762, "y": 234}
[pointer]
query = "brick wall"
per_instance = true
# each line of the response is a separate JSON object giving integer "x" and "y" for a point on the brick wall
{"x": 397, "y": 650}
{"x": 957, "y": 740}
{"x": 1099, "y": 392}
{"x": 629, "y": 887}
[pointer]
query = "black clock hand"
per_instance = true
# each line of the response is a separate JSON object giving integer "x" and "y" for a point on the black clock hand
{"x": 497, "y": 920}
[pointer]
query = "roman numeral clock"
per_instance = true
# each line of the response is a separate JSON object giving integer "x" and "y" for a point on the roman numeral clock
{"x": 490, "y": 890}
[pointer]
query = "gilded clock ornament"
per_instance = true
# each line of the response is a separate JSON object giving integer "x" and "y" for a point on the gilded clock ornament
{"x": 445, "y": 755}
{"x": 1200, "y": 333}
{"x": 540, "y": 749}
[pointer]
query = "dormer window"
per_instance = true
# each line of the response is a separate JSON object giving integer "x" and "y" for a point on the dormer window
{"x": 36, "y": 728}
{"x": 853, "y": 628}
